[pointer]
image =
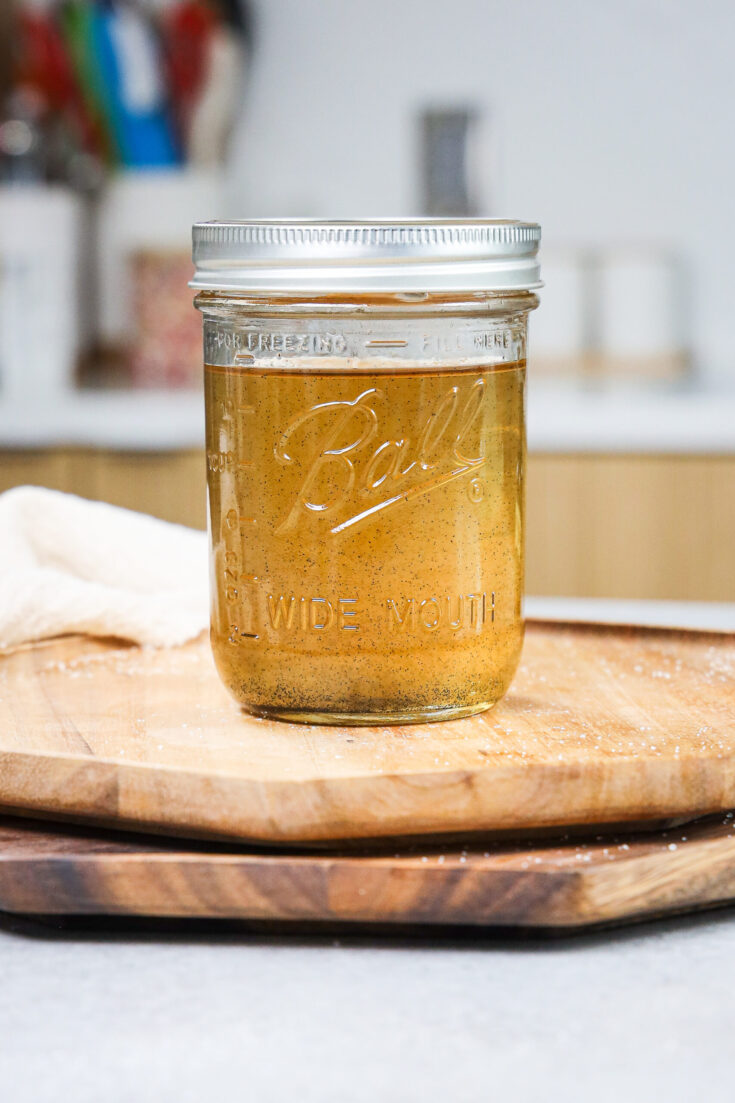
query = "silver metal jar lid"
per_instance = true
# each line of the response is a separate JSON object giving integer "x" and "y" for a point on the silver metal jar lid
{"x": 413, "y": 255}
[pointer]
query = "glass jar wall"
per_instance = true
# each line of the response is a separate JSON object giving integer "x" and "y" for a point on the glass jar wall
{"x": 366, "y": 485}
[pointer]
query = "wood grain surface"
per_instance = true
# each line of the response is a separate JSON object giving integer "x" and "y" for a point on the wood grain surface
{"x": 74, "y": 871}
{"x": 601, "y": 725}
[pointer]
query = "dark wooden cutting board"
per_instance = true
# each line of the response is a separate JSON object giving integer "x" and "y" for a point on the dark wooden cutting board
{"x": 79, "y": 871}
{"x": 601, "y": 725}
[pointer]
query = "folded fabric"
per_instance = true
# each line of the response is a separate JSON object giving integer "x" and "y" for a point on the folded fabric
{"x": 69, "y": 565}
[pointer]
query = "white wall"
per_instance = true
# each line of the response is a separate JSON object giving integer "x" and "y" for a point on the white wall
{"x": 609, "y": 120}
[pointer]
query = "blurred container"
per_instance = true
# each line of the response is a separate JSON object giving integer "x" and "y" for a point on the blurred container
{"x": 447, "y": 137}
{"x": 641, "y": 321}
{"x": 167, "y": 347}
{"x": 41, "y": 228}
{"x": 144, "y": 234}
{"x": 560, "y": 329}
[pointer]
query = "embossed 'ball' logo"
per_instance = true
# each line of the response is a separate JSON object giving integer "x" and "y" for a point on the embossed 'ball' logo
{"x": 346, "y": 460}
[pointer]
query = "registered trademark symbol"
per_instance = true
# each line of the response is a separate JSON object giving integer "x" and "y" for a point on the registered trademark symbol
{"x": 475, "y": 490}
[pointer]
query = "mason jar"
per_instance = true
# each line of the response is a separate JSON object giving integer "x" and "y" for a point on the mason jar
{"x": 365, "y": 459}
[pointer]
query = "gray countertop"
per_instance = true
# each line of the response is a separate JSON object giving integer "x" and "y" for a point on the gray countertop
{"x": 179, "y": 1013}
{"x": 638, "y": 1016}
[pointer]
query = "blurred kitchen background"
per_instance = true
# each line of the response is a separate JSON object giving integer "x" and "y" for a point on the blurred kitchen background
{"x": 123, "y": 121}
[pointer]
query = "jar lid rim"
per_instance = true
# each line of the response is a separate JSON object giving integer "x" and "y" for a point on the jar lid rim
{"x": 406, "y": 254}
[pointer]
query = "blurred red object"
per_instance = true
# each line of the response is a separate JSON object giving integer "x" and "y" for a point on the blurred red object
{"x": 42, "y": 63}
{"x": 186, "y": 30}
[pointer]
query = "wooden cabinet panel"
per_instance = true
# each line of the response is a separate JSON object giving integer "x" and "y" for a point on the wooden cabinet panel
{"x": 170, "y": 485}
{"x": 598, "y": 526}
{"x": 632, "y": 526}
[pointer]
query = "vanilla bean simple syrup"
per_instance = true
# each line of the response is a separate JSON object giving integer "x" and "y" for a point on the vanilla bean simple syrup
{"x": 365, "y": 413}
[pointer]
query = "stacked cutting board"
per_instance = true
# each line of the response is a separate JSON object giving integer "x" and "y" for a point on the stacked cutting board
{"x": 599, "y": 790}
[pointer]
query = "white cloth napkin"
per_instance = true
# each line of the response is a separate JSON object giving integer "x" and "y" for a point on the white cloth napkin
{"x": 69, "y": 565}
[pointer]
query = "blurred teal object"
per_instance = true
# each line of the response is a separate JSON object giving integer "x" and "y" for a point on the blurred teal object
{"x": 127, "y": 54}
{"x": 115, "y": 56}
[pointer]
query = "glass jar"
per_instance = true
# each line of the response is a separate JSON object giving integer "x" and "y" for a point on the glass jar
{"x": 366, "y": 453}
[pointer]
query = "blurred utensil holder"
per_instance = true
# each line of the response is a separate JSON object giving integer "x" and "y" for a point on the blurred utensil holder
{"x": 44, "y": 323}
{"x": 613, "y": 314}
{"x": 560, "y": 335}
{"x": 640, "y": 325}
{"x": 147, "y": 331}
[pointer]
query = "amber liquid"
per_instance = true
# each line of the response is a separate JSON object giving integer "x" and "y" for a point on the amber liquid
{"x": 367, "y": 531}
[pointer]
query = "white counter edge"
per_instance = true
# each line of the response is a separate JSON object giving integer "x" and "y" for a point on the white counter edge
{"x": 561, "y": 420}
{"x": 714, "y": 616}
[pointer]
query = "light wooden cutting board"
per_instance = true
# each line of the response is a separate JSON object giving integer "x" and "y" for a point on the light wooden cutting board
{"x": 602, "y": 725}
